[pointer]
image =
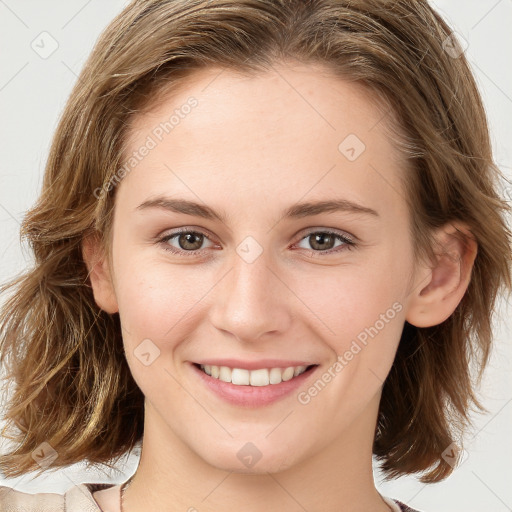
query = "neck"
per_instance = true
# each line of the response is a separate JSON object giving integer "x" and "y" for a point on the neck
{"x": 172, "y": 477}
{"x": 338, "y": 478}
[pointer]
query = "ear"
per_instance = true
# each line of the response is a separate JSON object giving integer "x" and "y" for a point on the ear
{"x": 99, "y": 273}
{"x": 441, "y": 285}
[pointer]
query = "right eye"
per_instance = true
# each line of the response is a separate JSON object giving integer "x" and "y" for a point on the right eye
{"x": 189, "y": 242}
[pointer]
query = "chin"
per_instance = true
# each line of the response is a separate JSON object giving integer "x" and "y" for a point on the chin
{"x": 248, "y": 459}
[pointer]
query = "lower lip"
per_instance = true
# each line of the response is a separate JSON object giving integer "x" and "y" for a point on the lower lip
{"x": 252, "y": 396}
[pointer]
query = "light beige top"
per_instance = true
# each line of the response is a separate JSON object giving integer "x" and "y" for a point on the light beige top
{"x": 79, "y": 498}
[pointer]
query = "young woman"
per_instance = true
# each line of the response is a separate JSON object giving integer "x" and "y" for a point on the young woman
{"x": 268, "y": 246}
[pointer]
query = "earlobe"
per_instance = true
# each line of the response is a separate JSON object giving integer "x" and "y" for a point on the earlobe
{"x": 440, "y": 288}
{"x": 99, "y": 274}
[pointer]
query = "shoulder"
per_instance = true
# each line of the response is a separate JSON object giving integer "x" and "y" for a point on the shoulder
{"x": 397, "y": 505}
{"x": 12, "y": 500}
{"x": 404, "y": 507}
{"x": 76, "y": 499}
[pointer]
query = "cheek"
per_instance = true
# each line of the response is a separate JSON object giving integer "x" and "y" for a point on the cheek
{"x": 359, "y": 305}
{"x": 157, "y": 311}
{"x": 159, "y": 300}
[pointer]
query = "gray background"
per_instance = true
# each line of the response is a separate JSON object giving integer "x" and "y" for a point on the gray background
{"x": 33, "y": 91}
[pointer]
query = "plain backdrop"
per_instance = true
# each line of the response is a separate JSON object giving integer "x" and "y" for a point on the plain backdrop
{"x": 33, "y": 90}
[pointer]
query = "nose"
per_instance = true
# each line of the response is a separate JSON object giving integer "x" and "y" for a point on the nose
{"x": 252, "y": 300}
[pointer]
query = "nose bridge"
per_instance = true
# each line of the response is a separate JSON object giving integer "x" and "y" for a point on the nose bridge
{"x": 250, "y": 302}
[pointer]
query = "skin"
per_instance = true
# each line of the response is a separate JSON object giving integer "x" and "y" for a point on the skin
{"x": 269, "y": 140}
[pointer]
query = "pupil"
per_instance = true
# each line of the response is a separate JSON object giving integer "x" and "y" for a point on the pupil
{"x": 320, "y": 240}
{"x": 186, "y": 238}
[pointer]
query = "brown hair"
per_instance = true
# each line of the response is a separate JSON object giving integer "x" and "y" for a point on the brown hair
{"x": 74, "y": 389}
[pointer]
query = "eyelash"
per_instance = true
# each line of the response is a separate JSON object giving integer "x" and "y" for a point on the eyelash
{"x": 349, "y": 244}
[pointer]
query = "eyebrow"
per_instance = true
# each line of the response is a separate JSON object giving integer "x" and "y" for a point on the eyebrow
{"x": 296, "y": 211}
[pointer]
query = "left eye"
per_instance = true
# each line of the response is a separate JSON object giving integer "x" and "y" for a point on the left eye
{"x": 190, "y": 242}
{"x": 321, "y": 241}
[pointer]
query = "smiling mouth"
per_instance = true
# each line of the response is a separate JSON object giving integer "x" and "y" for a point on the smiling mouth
{"x": 259, "y": 377}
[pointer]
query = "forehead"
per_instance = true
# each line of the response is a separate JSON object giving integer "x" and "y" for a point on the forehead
{"x": 304, "y": 91}
{"x": 293, "y": 126}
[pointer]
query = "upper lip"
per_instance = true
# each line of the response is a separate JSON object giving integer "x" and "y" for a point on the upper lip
{"x": 254, "y": 365}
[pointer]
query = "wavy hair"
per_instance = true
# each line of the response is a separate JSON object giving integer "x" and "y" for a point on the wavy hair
{"x": 73, "y": 386}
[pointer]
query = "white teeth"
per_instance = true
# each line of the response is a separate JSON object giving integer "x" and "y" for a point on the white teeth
{"x": 288, "y": 373}
{"x": 298, "y": 370}
{"x": 275, "y": 376}
{"x": 225, "y": 374}
{"x": 240, "y": 377}
{"x": 260, "y": 377}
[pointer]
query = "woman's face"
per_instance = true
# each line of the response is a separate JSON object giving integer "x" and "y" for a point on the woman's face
{"x": 257, "y": 171}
